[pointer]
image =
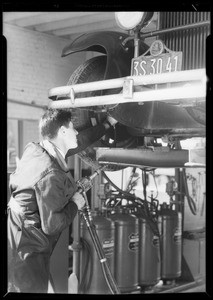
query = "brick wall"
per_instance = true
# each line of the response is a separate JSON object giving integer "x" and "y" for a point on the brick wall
{"x": 35, "y": 65}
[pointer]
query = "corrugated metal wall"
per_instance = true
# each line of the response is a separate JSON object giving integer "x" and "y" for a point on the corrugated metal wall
{"x": 192, "y": 42}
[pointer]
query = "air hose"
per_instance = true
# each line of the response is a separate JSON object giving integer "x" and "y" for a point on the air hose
{"x": 192, "y": 204}
{"x": 83, "y": 287}
{"x": 152, "y": 222}
{"x": 84, "y": 185}
{"x": 104, "y": 265}
{"x": 127, "y": 194}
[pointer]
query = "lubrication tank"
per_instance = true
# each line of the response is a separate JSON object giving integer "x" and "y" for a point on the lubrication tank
{"x": 126, "y": 249}
{"x": 171, "y": 242}
{"x": 91, "y": 274}
{"x": 149, "y": 264}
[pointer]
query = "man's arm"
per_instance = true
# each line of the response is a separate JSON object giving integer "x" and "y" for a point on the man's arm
{"x": 58, "y": 202}
{"x": 90, "y": 135}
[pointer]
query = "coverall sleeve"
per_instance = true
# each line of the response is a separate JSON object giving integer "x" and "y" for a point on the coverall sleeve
{"x": 87, "y": 137}
{"x": 54, "y": 198}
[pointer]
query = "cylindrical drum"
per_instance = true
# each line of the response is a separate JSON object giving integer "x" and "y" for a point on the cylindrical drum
{"x": 149, "y": 252}
{"x": 126, "y": 250}
{"x": 91, "y": 274}
{"x": 171, "y": 243}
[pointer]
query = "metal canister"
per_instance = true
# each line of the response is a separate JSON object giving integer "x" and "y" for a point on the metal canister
{"x": 126, "y": 250}
{"x": 91, "y": 273}
{"x": 171, "y": 242}
{"x": 149, "y": 265}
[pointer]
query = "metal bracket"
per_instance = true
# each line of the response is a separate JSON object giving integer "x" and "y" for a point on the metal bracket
{"x": 72, "y": 96}
{"x": 128, "y": 88}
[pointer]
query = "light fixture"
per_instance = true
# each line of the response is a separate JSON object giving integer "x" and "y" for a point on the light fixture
{"x": 128, "y": 19}
{"x": 131, "y": 19}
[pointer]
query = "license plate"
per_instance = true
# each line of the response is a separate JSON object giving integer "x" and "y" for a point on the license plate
{"x": 163, "y": 63}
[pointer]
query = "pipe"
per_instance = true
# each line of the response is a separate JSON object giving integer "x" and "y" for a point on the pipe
{"x": 76, "y": 245}
{"x": 167, "y": 30}
{"x": 27, "y": 104}
{"x": 165, "y": 158}
{"x": 136, "y": 44}
{"x": 188, "y": 75}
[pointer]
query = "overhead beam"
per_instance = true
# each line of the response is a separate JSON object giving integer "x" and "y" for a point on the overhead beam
{"x": 76, "y": 21}
{"x": 13, "y": 16}
{"x": 86, "y": 28}
{"x": 48, "y": 17}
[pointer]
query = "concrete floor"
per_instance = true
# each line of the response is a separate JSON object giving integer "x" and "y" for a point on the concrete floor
{"x": 197, "y": 289}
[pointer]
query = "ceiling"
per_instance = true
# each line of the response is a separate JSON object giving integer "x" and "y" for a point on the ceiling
{"x": 67, "y": 24}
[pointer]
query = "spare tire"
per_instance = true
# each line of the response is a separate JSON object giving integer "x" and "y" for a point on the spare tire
{"x": 94, "y": 70}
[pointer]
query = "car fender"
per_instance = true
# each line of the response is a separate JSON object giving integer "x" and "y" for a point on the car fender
{"x": 109, "y": 43}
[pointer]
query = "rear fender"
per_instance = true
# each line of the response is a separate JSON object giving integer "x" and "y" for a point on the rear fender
{"x": 108, "y": 43}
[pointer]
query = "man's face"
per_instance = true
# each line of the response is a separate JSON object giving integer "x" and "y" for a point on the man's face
{"x": 70, "y": 137}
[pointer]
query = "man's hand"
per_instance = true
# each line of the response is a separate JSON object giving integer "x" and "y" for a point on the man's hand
{"x": 79, "y": 200}
{"x": 111, "y": 120}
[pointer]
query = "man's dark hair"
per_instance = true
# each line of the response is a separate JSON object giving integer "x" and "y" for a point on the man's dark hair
{"x": 52, "y": 120}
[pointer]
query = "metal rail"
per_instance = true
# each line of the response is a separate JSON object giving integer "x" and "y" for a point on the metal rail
{"x": 177, "y": 28}
{"x": 157, "y": 32}
{"x": 193, "y": 86}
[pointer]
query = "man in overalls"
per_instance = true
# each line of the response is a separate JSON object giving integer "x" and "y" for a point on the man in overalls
{"x": 44, "y": 199}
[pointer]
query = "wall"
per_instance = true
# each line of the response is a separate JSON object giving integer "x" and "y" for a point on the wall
{"x": 34, "y": 65}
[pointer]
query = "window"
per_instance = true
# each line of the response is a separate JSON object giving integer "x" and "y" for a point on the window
{"x": 19, "y": 134}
